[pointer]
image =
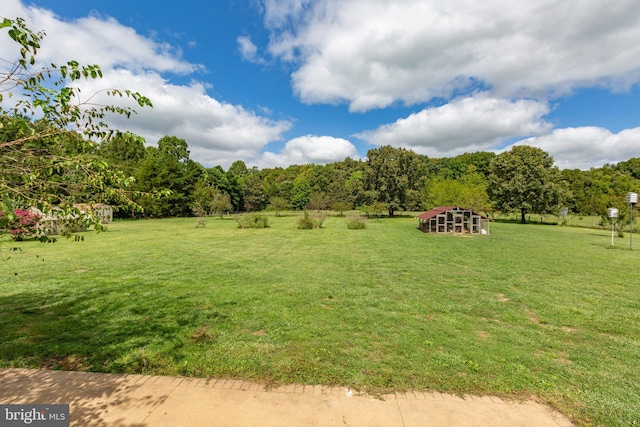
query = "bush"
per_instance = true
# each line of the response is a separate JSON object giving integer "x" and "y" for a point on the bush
{"x": 356, "y": 222}
{"x": 308, "y": 221}
{"x": 21, "y": 224}
{"x": 279, "y": 204}
{"x": 340, "y": 207}
{"x": 253, "y": 220}
{"x": 305, "y": 222}
{"x": 375, "y": 209}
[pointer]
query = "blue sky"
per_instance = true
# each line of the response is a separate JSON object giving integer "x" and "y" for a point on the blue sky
{"x": 280, "y": 82}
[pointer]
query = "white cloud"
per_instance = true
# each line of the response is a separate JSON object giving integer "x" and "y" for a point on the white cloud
{"x": 586, "y": 147}
{"x": 99, "y": 40}
{"x": 217, "y": 132}
{"x": 248, "y": 50}
{"x": 464, "y": 125}
{"x": 280, "y": 12}
{"x": 371, "y": 53}
{"x": 310, "y": 149}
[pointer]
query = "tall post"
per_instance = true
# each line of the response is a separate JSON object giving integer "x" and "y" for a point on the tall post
{"x": 632, "y": 198}
{"x": 612, "y": 222}
{"x": 613, "y": 214}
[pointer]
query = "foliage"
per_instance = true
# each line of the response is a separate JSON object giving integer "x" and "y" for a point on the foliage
{"x": 340, "y": 207}
{"x": 631, "y": 167}
{"x": 168, "y": 168}
{"x": 356, "y": 222}
{"x": 621, "y": 224}
{"x": 456, "y": 167}
{"x": 300, "y": 193}
{"x": 49, "y": 155}
{"x": 279, "y": 204}
{"x": 318, "y": 201}
{"x": 20, "y": 224}
{"x": 525, "y": 179}
{"x": 252, "y": 191}
{"x": 393, "y": 175}
{"x": 199, "y": 210}
{"x": 44, "y": 158}
{"x": 375, "y": 209}
{"x": 252, "y": 220}
{"x": 309, "y": 221}
{"x": 124, "y": 150}
{"x": 221, "y": 204}
{"x": 468, "y": 191}
{"x": 595, "y": 190}
{"x": 47, "y": 136}
{"x": 202, "y": 195}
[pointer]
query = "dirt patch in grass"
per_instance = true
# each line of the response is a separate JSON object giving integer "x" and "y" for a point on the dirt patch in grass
{"x": 532, "y": 317}
{"x": 502, "y": 298}
{"x": 65, "y": 363}
{"x": 203, "y": 333}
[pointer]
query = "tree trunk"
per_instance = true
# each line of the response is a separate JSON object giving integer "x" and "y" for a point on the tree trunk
{"x": 523, "y": 218}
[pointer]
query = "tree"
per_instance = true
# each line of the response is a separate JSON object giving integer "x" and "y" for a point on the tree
{"x": 631, "y": 166}
{"x": 49, "y": 133}
{"x": 317, "y": 201}
{"x": 300, "y": 193}
{"x": 253, "y": 193}
{"x": 469, "y": 191}
{"x": 124, "y": 150}
{"x": 234, "y": 188}
{"x": 238, "y": 168}
{"x": 393, "y": 175}
{"x": 169, "y": 168}
{"x": 221, "y": 204}
{"x": 525, "y": 179}
{"x": 340, "y": 207}
{"x": 279, "y": 204}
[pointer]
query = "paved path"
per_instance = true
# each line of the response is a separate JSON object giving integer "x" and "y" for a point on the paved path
{"x": 138, "y": 400}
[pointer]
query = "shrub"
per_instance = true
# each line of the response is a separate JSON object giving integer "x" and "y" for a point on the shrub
{"x": 308, "y": 221}
{"x": 279, "y": 204}
{"x": 305, "y": 222}
{"x": 375, "y": 209}
{"x": 340, "y": 207}
{"x": 200, "y": 212}
{"x": 253, "y": 220}
{"x": 221, "y": 204}
{"x": 356, "y": 222}
{"x": 21, "y": 224}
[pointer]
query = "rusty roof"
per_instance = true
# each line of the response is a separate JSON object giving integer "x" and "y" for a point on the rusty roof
{"x": 443, "y": 209}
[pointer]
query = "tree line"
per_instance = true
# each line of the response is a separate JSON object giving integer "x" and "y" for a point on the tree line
{"x": 56, "y": 151}
{"x": 162, "y": 180}
{"x": 389, "y": 180}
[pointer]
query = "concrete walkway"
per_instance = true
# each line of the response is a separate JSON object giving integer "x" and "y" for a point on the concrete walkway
{"x": 139, "y": 400}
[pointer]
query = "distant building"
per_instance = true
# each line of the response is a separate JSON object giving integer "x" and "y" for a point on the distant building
{"x": 453, "y": 219}
{"x": 57, "y": 221}
{"x": 100, "y": 210}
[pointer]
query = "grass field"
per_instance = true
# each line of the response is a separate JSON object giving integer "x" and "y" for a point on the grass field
{"x": 529, "y": 310}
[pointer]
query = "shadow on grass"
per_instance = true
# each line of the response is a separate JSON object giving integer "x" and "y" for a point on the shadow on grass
{"x": 96, "y": 330}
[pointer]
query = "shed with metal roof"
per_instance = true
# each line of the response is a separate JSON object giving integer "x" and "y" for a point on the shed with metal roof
{"x": 453, "y": 219}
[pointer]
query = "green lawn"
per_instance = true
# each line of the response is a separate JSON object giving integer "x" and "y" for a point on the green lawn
{"x": 529, "y": 310}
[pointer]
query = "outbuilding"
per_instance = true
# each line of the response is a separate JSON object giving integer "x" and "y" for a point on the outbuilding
{"x": 453, "y": 219}
{"x": 100, "y": 210}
